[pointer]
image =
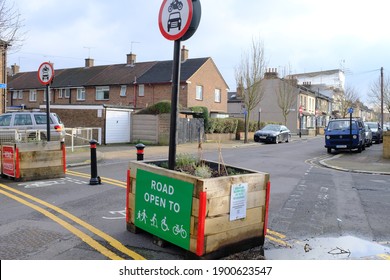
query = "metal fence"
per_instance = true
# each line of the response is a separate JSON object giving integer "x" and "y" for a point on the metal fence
{"x": 80, "y": 136}
{"x": 24, "y": 135}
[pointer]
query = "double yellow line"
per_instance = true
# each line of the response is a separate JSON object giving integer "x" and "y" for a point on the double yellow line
{"x": 17, "y": 196}
{"x": 277, "y": 238}
{"x": 104, "y": 179}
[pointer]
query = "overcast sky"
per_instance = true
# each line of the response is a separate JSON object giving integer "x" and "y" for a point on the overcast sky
{"x": 308, "y": 35}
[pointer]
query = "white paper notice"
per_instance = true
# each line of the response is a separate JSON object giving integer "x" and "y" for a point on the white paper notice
{"x": 238, "y": 197}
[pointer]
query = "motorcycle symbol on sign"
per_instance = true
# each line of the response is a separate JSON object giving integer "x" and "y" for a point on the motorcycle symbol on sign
{"x": 175, "y": 5}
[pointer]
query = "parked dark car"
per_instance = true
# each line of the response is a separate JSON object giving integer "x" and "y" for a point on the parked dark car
{"x": 341, "y": 134}
{"x": 377, "y": 133}
{"x": 273, "y": 133}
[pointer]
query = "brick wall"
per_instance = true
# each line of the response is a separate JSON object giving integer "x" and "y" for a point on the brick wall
{"x": 82, "y": 118}
{"x": 386, "y": 144}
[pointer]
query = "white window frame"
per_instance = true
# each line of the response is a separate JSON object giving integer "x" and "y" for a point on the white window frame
{"x": 67, "y": 93}
{"x": 199, "y": 92}
{"x": 80, "y": 94}
{"x": 217, "y": 95}
{"x": 33, "y": 95}
{"x": 60, "y": 93}
{"x": 141, "y": 90}
{"x": 123, "y": 92}
{"x": 101, "y": 91}
{"x": 15, "y": 94}
{"x": 20, "y": 94}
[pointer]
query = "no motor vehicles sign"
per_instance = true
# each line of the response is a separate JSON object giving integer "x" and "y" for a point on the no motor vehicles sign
{"x": 175, "y": 18}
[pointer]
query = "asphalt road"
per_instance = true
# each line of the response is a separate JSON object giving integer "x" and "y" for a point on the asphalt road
{"x": 311, "y": 208}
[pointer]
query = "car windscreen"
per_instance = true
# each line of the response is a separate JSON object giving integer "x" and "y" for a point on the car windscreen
{"x": 272, "y": 127}
{"x": 340, "y": 125}
{"x": 373, "y": 125}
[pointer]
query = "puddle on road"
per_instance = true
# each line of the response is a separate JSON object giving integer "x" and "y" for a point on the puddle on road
{"x": 339, "y": 248}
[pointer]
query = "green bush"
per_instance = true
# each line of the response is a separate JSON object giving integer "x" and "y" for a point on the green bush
{"x": 228, "y": 125}
{"x": 204, "y": 114}
{"x": 162, "y": 107}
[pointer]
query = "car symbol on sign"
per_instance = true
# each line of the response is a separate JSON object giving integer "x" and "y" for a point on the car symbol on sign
{"x": 174, "y": 21}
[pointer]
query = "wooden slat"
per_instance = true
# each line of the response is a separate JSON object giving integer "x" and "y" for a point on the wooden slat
{"x": 216, "y": 241}
{"x": 221, "y": 205}
{"x": 222, "y": 223}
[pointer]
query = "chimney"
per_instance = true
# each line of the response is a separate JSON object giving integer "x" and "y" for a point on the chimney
{"x": 184, "y": 54}
{"x": 131, "y": 59}
{"x": 89, "y": 62}
{"x": 15, "y": 69}
{"x": 271, "y": 73}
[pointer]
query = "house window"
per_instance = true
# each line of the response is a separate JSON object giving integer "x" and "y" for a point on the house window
{"x": 67, "y": 93}
{"x": 15, "y": 94}
{"x": 33, "y": 95}
{"x": 199, "y": 93}
{"x": 81, "y": 94}
{"x": 20, "y": 94}
{"x": 60, "y": 93}
{"x": 217, "y": 95}
{"x": 123, "y": 91}
{"x": 141, "y": 90}
{"x": 102, "y": 93}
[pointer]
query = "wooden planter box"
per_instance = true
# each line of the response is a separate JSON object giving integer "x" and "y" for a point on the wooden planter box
{"x": 209, "y": 218}
{"x": 33, "y": 161}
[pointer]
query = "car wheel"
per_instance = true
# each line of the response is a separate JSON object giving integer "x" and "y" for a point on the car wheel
{"x": 329, "y": 150}
{"x": 360, "y": 149}
{"x": 277, "y": 139}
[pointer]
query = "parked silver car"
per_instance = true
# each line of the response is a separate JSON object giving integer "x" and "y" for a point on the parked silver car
{"x": 33, "y": 123}
{"x": 368, "y": 135}
{"x": 377, "y": 134}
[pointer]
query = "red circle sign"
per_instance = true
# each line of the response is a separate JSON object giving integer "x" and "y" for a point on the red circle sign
{"x": 174, "y": 18}
{"x": 45, "y": 73}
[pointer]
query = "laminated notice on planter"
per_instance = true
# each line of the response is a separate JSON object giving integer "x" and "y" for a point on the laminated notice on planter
{"x": 163, "y": 207}
{"x": 238, "y": 199}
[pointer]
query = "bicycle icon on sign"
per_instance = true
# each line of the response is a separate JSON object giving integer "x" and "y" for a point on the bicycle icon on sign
{"x": 179, "y": 230}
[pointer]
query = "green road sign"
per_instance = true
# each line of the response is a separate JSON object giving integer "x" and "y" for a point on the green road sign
{"x": 163, "y": 207}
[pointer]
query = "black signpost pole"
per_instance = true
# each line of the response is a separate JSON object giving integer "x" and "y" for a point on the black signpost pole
{"x": 174, "y": 104}
{"x": 48, "y": 112}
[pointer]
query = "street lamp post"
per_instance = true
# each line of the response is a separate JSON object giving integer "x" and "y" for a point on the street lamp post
{"x": 258, "y": 121}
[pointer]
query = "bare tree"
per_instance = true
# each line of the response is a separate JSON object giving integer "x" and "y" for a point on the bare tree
{"x": 375, "y": 93}
{"x": 249, "y": 75}
{"x": 348, "y": 100}
{"x": 10, "y": 24}
{"x": 286, "y": 94}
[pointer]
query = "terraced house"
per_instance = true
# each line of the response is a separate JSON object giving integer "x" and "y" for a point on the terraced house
{"x": 106, "y": 96}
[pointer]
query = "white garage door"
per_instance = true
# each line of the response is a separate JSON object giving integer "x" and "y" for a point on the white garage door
{"x": 117, "y": 126}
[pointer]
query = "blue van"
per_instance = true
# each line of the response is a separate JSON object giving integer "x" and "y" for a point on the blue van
{"x": 339, "y": 135}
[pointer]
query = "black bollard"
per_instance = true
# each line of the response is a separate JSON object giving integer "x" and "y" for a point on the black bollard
{"x": 140, "y": 151}
{"x": 95, "y": 179}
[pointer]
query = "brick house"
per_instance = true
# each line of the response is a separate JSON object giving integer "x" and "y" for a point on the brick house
{"x": 315, "y": 106}
{"x": 105, "y": 96}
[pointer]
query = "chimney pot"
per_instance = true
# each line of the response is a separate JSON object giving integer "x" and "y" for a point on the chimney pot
{"x": 184, "y": 54}
{"x": 131, "y": 59}
{"x": 89, "y": 62}
{"x": 15, "y": 69}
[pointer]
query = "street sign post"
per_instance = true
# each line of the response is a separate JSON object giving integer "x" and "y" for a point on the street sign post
{"x": 45, "y": 77}
{"x": 177, "y": 20}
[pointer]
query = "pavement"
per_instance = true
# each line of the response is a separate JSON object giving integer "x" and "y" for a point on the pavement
{"x": 369, "y": 161}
